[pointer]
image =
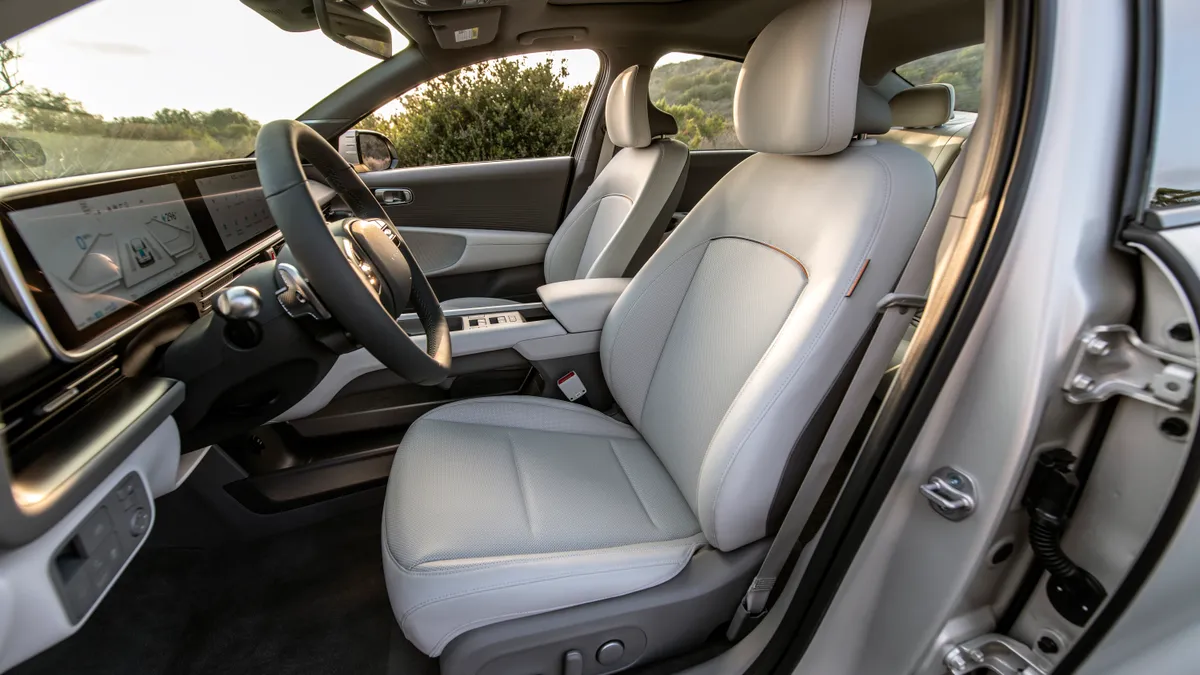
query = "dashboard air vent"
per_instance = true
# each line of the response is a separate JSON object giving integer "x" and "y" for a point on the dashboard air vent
{"x": 29, "y": 414}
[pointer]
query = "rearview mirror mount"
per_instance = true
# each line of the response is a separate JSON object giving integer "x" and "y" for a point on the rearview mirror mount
{"x": 351, "y": 27}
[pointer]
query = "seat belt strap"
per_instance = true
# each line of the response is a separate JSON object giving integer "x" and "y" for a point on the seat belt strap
{"x": 607, "y": 150}
{"x": 897, "y": 309}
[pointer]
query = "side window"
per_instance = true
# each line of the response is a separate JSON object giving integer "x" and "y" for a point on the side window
{"x": 1175, "y": 166}
{"x": 698, "y": 92}
{"x": 518, "y": 107}
{"x": 962, "y": 68}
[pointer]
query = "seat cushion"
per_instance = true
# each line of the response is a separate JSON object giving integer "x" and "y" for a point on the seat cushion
{"x": 509, "y": 506}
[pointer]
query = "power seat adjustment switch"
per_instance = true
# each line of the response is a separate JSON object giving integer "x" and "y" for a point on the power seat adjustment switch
{"x": 89, "y": 560}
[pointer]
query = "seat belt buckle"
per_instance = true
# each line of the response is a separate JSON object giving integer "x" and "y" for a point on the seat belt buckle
{"x": 571, "y": 386}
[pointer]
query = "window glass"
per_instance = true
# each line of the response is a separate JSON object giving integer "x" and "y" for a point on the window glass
{"x": 125, "y": 84}
{"x": 962, "y": 68}
{"x": 517, "y": 107}
{"x": 1175, "y": 174}
{"x": 698, "y": 92}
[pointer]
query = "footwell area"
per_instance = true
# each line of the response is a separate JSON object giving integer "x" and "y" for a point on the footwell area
{"x": 309, "y": 601}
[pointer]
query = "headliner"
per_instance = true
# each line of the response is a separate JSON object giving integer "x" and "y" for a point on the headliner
{"x": 899, "y": 30}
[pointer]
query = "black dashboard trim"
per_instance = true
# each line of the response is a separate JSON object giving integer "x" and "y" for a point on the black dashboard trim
{"x": 99, "y": 438}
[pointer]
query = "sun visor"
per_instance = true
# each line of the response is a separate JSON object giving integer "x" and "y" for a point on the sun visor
{"x": 465, "y": 28}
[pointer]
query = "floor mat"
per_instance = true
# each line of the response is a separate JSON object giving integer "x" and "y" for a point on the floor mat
{"x": 308, "y": 601}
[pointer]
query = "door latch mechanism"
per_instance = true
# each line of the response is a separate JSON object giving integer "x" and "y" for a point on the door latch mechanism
{"x": 951, "y": 493}
{"x": 1113, "y": 361}
{"x": 995, "y": 654}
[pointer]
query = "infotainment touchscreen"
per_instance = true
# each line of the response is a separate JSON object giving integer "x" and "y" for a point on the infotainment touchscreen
{"x": 102, "y": 253}
{"x": 237, "y": 206}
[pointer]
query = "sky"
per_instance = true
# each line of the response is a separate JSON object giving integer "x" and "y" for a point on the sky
{"x": 133, "y": 57}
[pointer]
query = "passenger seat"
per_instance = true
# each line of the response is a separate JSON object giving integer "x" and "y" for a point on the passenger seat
{"x": 924, "y": 120}
{"x": 621, "y": 218}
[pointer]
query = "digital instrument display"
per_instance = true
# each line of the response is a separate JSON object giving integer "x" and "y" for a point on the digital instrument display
{"x": 103, "y": 253}
{"x": 96, "y": 255}
{"x": 237, "y": 206}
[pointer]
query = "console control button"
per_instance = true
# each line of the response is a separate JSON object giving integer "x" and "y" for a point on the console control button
{"x": 139, "y": 522}
{"x": 610, "y": 652}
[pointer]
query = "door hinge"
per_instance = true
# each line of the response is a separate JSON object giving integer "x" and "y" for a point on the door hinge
{"x": 1113, "y": 360}
{"x": 995, "y": 654}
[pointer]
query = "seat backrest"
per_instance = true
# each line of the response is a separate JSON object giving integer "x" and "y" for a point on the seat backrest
{"x": 925, "y": 120}
{"x": 723, "y": 346}
{"x": 633, "y": 198}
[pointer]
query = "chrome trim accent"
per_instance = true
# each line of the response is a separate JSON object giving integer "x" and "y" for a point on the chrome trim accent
{"x": 239, "y": 303}
{"x": 468, "y": 311}
{"x": 1166, "y": 217}
{"x": 16, "y": 281}
{"x": 295, "y": 295}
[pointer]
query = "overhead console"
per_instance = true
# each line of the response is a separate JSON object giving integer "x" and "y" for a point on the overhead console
{"x": 90, "y": 262}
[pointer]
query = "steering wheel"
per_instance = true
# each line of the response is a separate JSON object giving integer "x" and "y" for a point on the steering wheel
{"x": 360, "y": 268}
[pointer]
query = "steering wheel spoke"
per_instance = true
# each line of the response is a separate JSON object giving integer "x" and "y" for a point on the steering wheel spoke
{"x": 359, "y": 268}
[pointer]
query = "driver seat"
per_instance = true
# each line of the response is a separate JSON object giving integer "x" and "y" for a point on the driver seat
{"x": 720, "y": 353}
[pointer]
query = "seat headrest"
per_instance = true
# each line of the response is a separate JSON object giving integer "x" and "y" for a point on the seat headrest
{"x": 632, "y": 119}
{"x": 872, "y": 114}
{"x": 929, "y": 105}
{"x": 797, "y": 90}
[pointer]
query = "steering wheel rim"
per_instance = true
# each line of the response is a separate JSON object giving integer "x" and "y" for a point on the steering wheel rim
{"x": 322, "y": 257}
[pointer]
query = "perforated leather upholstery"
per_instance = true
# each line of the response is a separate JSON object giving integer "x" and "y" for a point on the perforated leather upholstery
{"x": 511, "y": 505}
{"x": 719, "y": 351}
{"x": 632, "y": 199}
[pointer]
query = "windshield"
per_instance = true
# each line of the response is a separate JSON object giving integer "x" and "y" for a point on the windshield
{"x": 122, "y": 84}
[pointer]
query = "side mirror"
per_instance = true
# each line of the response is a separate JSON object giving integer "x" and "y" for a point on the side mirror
{"x": 351, "y": 27}
{"x": 369, "y": 148}
{"x": 22, "y": 152}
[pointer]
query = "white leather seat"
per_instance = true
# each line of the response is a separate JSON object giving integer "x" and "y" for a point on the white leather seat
{"x": 621, "y": 218}
{"x": 925, "y": 121}
{"x": 719, "y": 352}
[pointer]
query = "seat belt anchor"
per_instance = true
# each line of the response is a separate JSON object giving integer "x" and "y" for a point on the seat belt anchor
{"x": 904, "y": 301}
{"x": 751, "y": 609}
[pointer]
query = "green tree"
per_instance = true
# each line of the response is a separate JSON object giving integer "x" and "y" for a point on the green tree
{"x": 9, "y": 79}
{"x": 695, "y": 126}
{"x": 502, "y": 109}
{"x": 45, "y": 110}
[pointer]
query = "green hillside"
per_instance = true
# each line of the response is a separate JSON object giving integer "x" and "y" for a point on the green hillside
{"x": 699, "y": 94}
{"x": 706, "y": 82}
{"x": 962, "y": 68}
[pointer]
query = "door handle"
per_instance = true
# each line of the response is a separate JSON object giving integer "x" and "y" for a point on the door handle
{"x": 394, "y": 196}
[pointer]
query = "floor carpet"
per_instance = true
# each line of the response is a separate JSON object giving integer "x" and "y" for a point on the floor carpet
{"x": 310, "y": 601}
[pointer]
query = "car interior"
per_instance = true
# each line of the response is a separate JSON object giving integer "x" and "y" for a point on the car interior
{"x": 541, "y": 415}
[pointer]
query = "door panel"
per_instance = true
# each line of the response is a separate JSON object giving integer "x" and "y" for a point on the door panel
{"x": 448, "y": 251}
{"x": 481, "y": 229}
{"x": 706, "y": 168}
{"x": 524, "y": 195}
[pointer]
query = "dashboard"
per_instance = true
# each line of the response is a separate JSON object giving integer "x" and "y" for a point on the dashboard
{"x": 95, "y": 257}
